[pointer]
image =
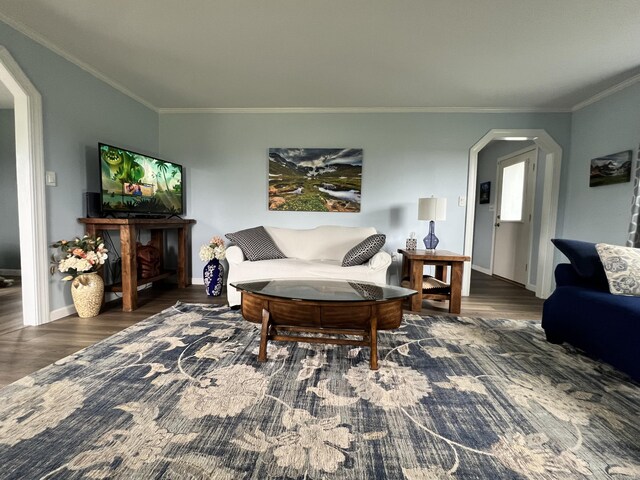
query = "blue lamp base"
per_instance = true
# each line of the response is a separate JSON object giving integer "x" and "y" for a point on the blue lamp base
{"x": 431, "y": 241}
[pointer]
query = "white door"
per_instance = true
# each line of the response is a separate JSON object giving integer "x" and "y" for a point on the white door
{"x": 514, "y": 213}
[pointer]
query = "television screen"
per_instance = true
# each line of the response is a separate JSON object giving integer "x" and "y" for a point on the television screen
{"x": 135, "y": 183}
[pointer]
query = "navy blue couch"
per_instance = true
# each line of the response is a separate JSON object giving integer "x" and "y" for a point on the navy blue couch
{"x": 582, "y": 312}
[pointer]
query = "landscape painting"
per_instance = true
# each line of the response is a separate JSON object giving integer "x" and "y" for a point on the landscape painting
{"x": 315, "y": 179}
{"x": 614, "y": 168}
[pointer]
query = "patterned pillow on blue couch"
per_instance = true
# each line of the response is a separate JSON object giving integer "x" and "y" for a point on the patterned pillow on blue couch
{"x": 622, "y": 268}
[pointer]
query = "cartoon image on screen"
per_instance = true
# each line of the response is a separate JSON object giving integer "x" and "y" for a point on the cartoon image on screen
{"x": 135, "y": 183}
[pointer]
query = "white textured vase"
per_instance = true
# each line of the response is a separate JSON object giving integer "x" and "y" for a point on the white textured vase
{"x": 87, "y": 290}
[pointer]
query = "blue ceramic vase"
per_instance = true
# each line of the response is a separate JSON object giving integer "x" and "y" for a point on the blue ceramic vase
{"x": 431, "y": 241}
{"x": 213, "y": 274}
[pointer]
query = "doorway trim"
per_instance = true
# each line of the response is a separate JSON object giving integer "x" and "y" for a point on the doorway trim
{"x": 34, "y": 263}
{"x": 549, "y": 213}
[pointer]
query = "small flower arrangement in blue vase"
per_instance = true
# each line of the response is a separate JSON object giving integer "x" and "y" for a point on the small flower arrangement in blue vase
{"x": 213, "y": 272}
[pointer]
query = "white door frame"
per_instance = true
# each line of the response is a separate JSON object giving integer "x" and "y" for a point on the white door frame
{"x": 34, "y": 262}
{"x": 551, "y": 190}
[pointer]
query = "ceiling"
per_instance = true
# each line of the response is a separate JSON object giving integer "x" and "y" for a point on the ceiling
{"x": 371, "y": 54}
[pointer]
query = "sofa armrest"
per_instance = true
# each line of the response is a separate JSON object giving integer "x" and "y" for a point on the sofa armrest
{"x": 235, "y": 255}
{"x": 380, "y": 261}
{"x": 566, "y": 276}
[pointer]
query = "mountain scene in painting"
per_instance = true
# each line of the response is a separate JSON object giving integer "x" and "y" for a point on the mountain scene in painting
{"x": 615, "y": 168}
{"x": 315, "y": 179}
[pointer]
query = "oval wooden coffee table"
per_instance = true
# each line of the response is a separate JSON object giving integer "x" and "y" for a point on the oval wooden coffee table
{"x": 322, "y": 307}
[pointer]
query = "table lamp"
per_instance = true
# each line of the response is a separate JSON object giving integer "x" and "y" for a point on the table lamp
{"x": 432, "y": 209}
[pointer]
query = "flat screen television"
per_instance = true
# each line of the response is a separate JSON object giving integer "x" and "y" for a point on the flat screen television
{"x": 136, "y": 184}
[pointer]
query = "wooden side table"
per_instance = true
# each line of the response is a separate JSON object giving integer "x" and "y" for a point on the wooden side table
{"x": 129, "y": 228}
{"x": 413, "y": 262}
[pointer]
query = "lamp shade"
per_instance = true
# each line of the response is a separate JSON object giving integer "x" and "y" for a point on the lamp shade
{"x": 432, "y": 208}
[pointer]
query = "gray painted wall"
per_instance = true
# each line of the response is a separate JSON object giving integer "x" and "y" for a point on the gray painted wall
{"x": 9, "y": 237}
{"x": 406, "y": 156}
{"x": 600, "y": 214}
{"x": 79, "y": 110}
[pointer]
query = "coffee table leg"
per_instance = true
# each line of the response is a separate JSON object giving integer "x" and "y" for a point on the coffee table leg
{"x": 264, "y": 335}
{"x": 374, "y": 342}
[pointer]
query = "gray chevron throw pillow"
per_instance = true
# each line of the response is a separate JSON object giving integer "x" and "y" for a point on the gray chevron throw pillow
{"x": 256, "y": 244}
{"x": 364, "y": 250}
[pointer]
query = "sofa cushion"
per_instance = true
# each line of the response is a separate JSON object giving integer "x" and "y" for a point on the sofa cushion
{"x": 326, "y": 242}
{"x": 566, "y": 275}
{"x": 256, "y": 244}
{"x": 622, "y": 268}
{"x": 297, "y": 268}
{"x": 363, "y": 251}
{"x": 585, "y": 260}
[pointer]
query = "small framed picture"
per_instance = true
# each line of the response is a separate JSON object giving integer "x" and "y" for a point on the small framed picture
{"x": 610, "y": 169}
{"x": 485, "y": 192}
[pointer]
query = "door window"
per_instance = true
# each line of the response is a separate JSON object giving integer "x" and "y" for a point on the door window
{"x": 512, "y": 195}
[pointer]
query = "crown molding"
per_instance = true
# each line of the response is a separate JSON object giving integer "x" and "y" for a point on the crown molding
{"x": 605, "y": 93}
{"x": 36, "y": 37}
{"x": 170, "y": 111}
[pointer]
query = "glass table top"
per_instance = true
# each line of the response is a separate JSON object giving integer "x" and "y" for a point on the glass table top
{"x": 323, "y": 290}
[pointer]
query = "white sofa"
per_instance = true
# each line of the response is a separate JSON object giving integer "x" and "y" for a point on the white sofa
{"x": 313, "y": 253}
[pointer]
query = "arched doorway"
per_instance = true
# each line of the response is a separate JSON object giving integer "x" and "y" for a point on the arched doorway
{"x": 551, "y": 190}
{"x": 31, "y": 193}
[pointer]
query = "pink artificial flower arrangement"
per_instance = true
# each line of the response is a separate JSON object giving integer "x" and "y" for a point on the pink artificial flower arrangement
{"x": 81, "y": 255}
{"x": 215, "y": 249}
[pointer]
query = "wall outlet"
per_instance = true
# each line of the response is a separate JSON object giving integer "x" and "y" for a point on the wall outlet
{"x": 462, "y": 201}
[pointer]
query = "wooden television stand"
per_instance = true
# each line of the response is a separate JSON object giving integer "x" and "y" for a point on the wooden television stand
{"x": 128, "y": 228}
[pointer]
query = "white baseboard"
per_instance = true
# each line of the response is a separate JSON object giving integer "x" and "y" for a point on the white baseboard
{"x": 13, "y": 272}
{"x": 480, "y": 269}
{"x": 70, "y": 309}
{"x": 61, "y": 313}
{"x": 531, "y": 287}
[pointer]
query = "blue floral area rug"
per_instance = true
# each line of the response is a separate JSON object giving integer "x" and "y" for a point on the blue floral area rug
{"x": 181, "y": 395}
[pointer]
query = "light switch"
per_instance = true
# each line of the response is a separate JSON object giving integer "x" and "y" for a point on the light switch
{"x": 462, "y": 201}
{"x": 50, "y": 179}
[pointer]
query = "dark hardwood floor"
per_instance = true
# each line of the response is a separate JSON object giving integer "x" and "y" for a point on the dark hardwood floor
{"x": 491, "y": 297}
{"x": 25, "y": 350}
